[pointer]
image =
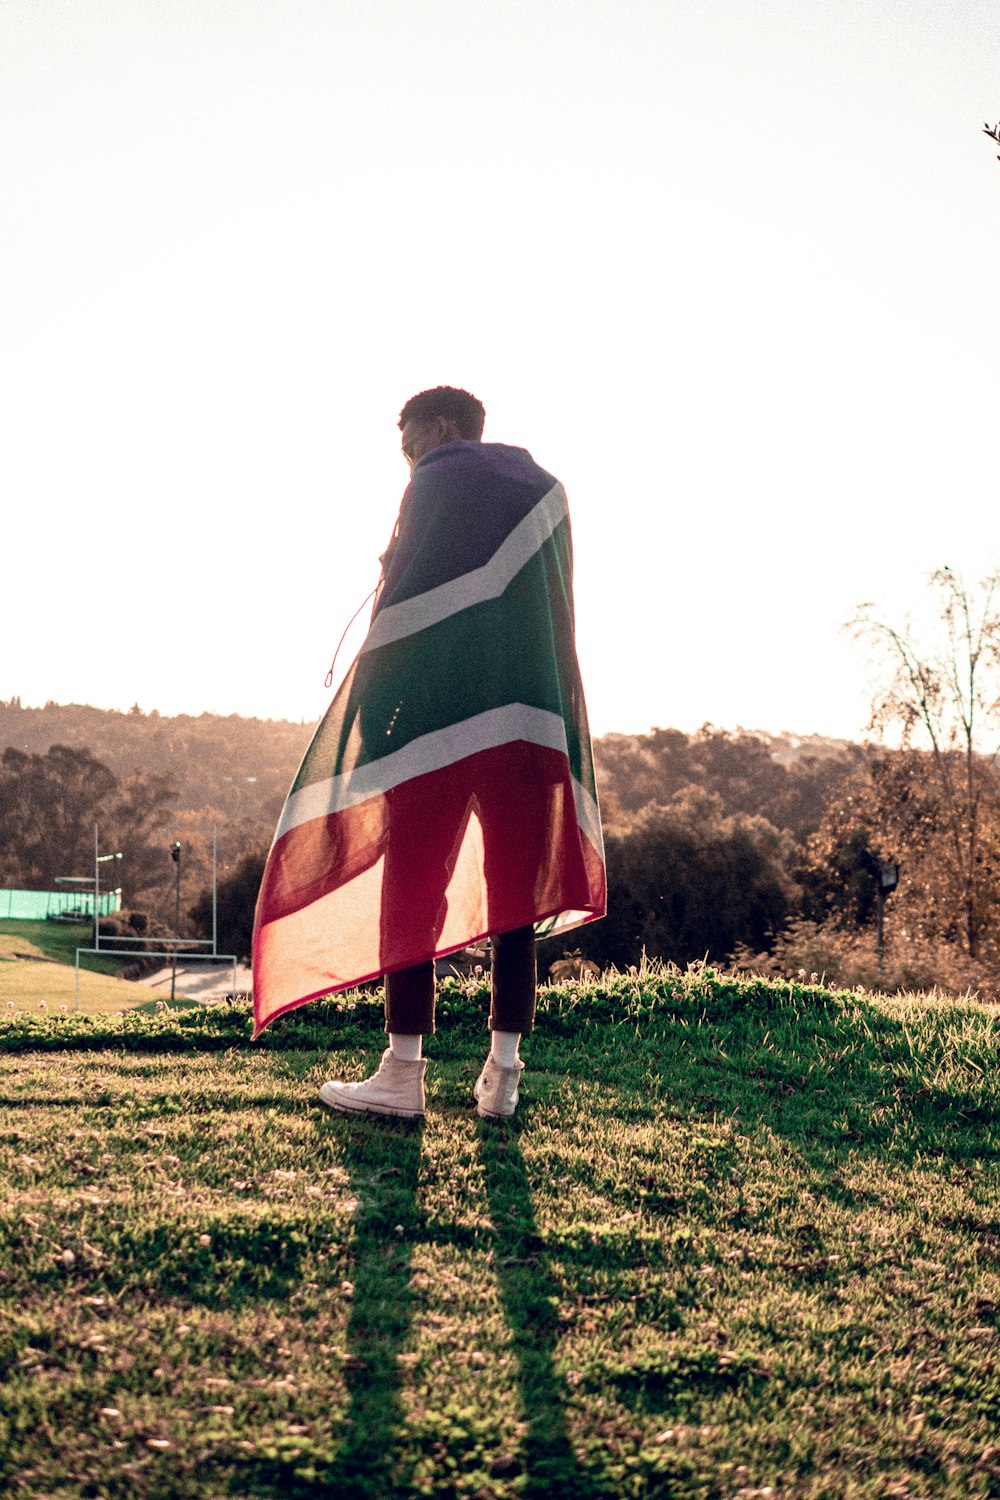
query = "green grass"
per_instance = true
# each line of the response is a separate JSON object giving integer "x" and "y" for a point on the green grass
{"x": 57, "y": 941}
{"x": 43, "y": 978}
{"x": 742, "y": 1239}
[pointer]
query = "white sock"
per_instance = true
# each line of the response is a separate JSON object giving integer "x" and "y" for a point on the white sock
{"x": 503, "y": 1048}
{"x": 405, "y": 1046}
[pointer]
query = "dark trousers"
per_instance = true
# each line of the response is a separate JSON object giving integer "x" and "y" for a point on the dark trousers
{"x": 409, "y": 993}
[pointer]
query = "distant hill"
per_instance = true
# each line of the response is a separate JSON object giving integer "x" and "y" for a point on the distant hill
{"x": 239, "y": 770}
{"x": 240, "y": 767}
{"x": 788, "y": 779}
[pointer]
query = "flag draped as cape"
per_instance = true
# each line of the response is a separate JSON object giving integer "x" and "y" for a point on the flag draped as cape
{"x": 449, "y": 791}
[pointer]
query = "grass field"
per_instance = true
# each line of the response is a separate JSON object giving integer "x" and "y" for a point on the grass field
{"x": 743, "y": 1240}
{"x": 57, "y": 941}
{"x": 47, "y": 980}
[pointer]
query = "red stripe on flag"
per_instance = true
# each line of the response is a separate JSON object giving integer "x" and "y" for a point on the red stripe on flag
{"x": 482, "y": 846}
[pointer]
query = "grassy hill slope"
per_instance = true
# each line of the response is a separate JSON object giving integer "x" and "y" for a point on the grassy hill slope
{"x": 37, "y": 963}
{"x": 743, "y": 1239}
{"x": 38, "y": 971}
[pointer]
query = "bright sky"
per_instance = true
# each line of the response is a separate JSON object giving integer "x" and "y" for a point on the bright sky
{"x": 727, "y": 268}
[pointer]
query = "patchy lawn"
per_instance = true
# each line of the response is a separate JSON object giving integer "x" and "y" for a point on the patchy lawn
{"x": 743, "y": 1239}
{"x": 37, "y": 972}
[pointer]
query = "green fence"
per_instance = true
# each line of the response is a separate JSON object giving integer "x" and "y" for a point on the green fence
{"x": 36, "y": 906}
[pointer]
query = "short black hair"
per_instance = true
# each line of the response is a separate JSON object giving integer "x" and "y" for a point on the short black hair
{"x": 460, "y": 407}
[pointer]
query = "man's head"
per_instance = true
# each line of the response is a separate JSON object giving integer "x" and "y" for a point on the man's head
{"x": 443, "y": 415}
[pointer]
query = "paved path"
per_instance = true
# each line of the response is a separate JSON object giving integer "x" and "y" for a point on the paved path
{"x": 202, "y": 981}
{"x": 210, "y": 982}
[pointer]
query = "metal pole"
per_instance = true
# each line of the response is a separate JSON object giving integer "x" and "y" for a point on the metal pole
{"x": 177, "y": 919}
{"x": 97, "y": 882}
{"x": 215, "y": 889}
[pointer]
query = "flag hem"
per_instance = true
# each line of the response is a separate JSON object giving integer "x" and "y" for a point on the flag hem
{"x": 352, "y": 984}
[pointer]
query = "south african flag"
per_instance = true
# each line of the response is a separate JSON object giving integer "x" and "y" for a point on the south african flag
{"x": 449, "y": 791}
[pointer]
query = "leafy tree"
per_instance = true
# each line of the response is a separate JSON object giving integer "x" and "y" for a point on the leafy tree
{"x": 137, "y": 820}
{"x": 895, "y": 811}
{"x": 691, "y": 880}
{"x": 237, "y": 898}
{"x": 945, "y": 693}
{"x": 841, "y": 876}
{"x": 48, "y": 806}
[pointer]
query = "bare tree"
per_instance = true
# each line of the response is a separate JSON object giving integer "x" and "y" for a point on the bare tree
{"x": 947, "y": 693}
{"x": 993, "y": 131}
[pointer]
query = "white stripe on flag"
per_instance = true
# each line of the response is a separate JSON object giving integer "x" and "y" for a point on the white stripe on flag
{"x": 431, "y": 752}
{"x": 588, "y": 816}
{"x": 487, "y": 582}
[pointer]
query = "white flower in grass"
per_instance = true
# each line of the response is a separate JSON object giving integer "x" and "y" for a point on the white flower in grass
{"x": 41, "y": 1005}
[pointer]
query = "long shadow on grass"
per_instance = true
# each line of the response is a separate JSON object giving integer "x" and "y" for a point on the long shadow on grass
{"x": 530, "y": 1302}
{"x": 845, "y": 1076}
{"x": 384, "y": 1167}
{"x": 830, "y": 1074}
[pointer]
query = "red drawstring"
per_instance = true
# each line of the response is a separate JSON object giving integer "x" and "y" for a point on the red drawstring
{"x": 329, "y": 676}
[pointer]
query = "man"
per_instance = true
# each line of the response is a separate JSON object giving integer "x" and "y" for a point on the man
{"x": 449, "y": 792}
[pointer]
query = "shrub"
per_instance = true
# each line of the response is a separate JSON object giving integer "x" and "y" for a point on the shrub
{"x": 828, "y": 953}
{"x": 690, "y": 881}
{"x": 237, "y": 896}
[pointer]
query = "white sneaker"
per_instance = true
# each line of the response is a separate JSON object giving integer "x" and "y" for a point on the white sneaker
{"x": 496, "y": 1090}
{"x": 396, "y": 1089}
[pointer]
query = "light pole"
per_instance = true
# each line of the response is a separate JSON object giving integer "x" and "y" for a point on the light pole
{"x": 888, "y": 879}
{"x": 175, "y": 855}
{"x": 99, "y": 860}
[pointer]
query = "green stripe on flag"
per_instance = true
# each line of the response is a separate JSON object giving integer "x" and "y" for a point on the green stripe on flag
{"x": 505, "y": 650}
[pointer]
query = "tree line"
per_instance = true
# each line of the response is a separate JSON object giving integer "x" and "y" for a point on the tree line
{"x": 720, "y": 845}
{"x": 736, "y": 802}
{"x": 51, "y": 800}
{"x": 225, "y": 765}
{"x": 782, "y": 866}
